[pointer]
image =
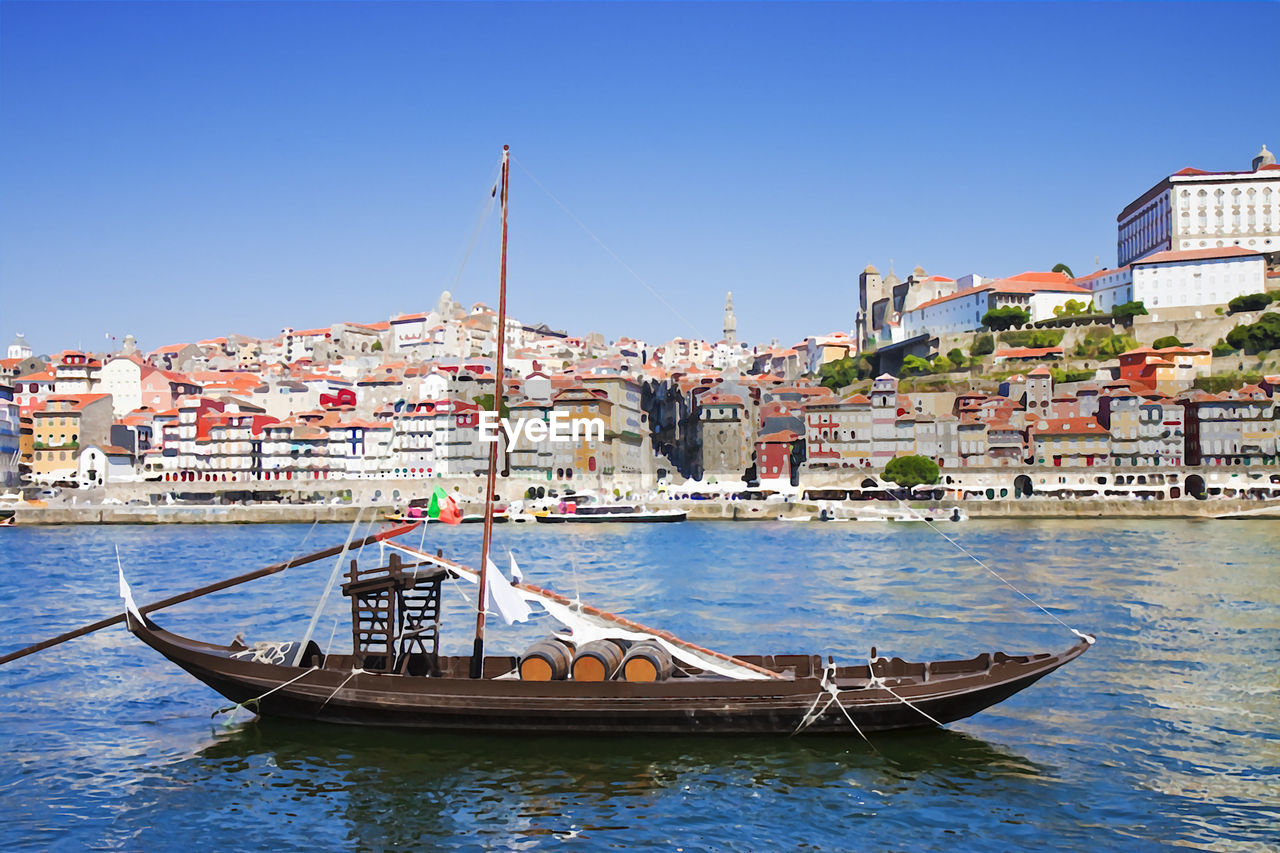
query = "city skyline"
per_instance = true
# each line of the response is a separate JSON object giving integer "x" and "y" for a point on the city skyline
{"x": 184, "y": 172}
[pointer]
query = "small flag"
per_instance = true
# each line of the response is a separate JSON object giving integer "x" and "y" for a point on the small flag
{"x": 443, "y": 508}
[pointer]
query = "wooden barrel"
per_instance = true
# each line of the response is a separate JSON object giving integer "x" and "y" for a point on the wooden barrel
{"x": 546, "y": 660}
{"x": 597, "y": 661}
{"x": 648, "y": 661}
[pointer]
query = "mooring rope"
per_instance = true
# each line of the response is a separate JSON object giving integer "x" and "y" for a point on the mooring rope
{"x": 1088, "y": 638}
{"x": 354, "y": 673}
{"x": 878, "y": 681}
{"x": 832, "y": 693}
{"x": 254, "y": 701}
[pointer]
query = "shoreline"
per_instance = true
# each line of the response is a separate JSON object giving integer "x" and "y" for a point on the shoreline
{"x": 743, "y": 511}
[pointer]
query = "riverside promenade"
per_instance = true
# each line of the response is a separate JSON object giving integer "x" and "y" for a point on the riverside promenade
{"x": 698, "y": 510}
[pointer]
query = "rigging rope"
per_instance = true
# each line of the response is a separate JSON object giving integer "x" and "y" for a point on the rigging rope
{"x": 1088, "y": 638}
{"x": 254, "y": 701}
{"x": 475, "y": 234}
{"x": 324, "y": 596}
{"x": 832, "y": 692}
{"x": 878, "y": 681}
{"x": 612, "y": 254}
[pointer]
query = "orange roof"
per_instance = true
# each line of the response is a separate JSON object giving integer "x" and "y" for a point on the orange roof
{"x": 1099, "y": 274}
{"x": 1068, "y": 426}
{"x": 1196, "y": 255}
{"x": 1027, "y": 282}
{"x": 785, "y": 435}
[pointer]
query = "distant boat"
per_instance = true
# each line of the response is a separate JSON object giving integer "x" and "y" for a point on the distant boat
{"x": 584, "y": 509}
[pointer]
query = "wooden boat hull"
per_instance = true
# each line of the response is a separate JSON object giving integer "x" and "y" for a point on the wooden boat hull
{"x": 335, "y": 694}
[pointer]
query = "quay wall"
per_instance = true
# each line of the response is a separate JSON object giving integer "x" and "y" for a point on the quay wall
{"x": 704, "y": 510}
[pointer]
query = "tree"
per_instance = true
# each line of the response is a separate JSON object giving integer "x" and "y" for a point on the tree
{"x": 1064, "y": 268}
{"x": 844, "y": 372}
{"x": 485, "y": 401}
{"x": 999, "y": 319}
{"x": 1250, "y": 302}
{"x": 1127, "y": 311}
{"x": 956, "y": 357}
{"x": 982, "y": 345}
{"x": 1257, "y": 337}
{"x": 1167, "y": 341}
{"x": 908, "y": 471}
{"x": 1070, "y": 308}
{"x": 377, "y": 347}
{"x": 942, "y": 364}
{"x": 914, "y": 365}
{"x": 1222, "y": 348}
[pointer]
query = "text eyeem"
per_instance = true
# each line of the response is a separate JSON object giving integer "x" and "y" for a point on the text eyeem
{"x": 561, "y": 428}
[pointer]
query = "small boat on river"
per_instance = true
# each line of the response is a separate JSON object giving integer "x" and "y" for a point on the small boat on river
{"x": 585, "y": 509}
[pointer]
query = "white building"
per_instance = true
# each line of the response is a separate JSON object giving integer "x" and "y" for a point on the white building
{"x": 19, "y": 348}
{"x": 1194, "y": 209}
{"x": 1197, "y": 277}
{"x": 1109, "y": 288}
{"x": 1037, "y": 293}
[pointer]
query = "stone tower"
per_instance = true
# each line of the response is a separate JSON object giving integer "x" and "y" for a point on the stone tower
{"x": 730, "y": 321}
{"x": 870, "y": 289}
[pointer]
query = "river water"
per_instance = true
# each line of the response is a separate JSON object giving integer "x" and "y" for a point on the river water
{"x": 1164, "y": 734}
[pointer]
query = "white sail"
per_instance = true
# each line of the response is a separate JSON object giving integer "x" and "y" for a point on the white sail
{"x": 585, "y": 624}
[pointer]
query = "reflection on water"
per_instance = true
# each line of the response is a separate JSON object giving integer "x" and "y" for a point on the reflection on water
{"x": 1164, "y": 733}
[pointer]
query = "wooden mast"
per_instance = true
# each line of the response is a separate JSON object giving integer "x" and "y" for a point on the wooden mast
{"x": 477, "y": 652}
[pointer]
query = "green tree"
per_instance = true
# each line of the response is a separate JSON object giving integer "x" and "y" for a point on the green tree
{"x": 908, "y": 471}
{"x": 1222, "y": 348}
{"x": 1070, "y": 308}
{"x": 844, "y": 372}
{"x": 1257, "y": 337}
{"x": 485, "y": 401}
{"x": 983, "y": 344}
{"x": 956, "y": 357}
{"x": 1116, "y": 344}
{"x": 377, "y": 347}
{"x": 1167, "y": 341}
{"x": 914, "y": 365}
{"x": 1250, "y": 302}
{"x": 998, "y": 319}
{"x": 1064, "y": 268}
{"x": 1126, "y": 312}
{"x": 942, "y": 364}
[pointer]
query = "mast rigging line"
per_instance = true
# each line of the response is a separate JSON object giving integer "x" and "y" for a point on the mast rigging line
{"x": 1088, "y": 638}
{"x": 604, "y": 246}
{"x": 475, "y": 233}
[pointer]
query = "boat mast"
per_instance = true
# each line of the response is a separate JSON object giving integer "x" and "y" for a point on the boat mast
{"x": 477, "y": 652}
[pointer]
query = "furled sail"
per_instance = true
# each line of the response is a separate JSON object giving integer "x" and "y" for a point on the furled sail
{"x": 585, "y": 623}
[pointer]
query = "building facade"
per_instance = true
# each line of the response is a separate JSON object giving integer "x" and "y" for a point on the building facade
{"x": 1194, "y": 209}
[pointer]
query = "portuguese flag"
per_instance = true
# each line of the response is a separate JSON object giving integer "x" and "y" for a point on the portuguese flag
{"x": 443, "y": 508}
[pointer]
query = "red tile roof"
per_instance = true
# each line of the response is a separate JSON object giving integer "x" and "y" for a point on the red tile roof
{"x": 1068, "y": 426}
{"x": 1196, "y": 255}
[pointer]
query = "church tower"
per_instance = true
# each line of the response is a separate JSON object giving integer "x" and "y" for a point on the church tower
{"x": 730, "y": 321}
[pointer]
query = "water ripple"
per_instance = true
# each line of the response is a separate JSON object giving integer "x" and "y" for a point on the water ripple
{"x": 1164, "y": 734}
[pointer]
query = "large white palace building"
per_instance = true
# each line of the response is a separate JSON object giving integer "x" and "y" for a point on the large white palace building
{"x": 1194, "y": 209}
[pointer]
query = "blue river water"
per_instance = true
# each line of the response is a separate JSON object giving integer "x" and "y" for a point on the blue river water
{"x": 1164, "y": 734}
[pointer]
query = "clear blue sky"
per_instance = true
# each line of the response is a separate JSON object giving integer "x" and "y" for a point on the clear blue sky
{"x": 186, "y": 170}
